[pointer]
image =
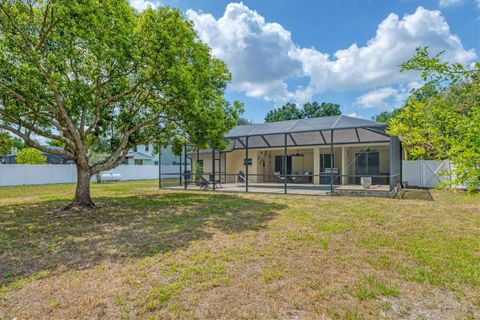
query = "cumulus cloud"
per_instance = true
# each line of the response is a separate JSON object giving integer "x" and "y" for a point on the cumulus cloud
{"x": 141, "y": 5}
{"x": 262, "y": 55}
{"x": 449, "y": 3}
{"x": 259, "y": 54}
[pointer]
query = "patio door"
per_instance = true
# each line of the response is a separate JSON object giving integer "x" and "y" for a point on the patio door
{"x": 279, "y": 164}
{"x": 327, "y": 160}
{"x": 367, "y": 163}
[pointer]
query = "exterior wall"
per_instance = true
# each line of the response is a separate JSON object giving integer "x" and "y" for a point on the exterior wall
{"x": 263, "y": 161}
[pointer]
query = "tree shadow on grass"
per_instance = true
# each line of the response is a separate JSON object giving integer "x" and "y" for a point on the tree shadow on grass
{"x": 35, "y": 238}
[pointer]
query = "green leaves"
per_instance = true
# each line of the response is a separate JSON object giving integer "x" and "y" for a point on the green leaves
{"x": 6, "y": 143}
{"x": 86, "y": 72}
{"x": 442, "y": 119}
{"x": 290, "y": 111}
{"x": 30, "y": 156}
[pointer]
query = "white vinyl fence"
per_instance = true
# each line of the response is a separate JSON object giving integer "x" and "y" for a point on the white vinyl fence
{"x": 27, "y": 174}
{"x": 419, "y": 173}
{"x": 425, "y": 173}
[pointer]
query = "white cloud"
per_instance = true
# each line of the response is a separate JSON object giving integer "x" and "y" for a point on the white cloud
{"x": 377, "y": 98}
{"x": 386, "y": 98}
{"x": 141, "y": 5}
{"x": 355, "y": 115}
{"x": 262, "y": 55}
{"x": 449, "y": 3}
{"x": 258, "y": 53}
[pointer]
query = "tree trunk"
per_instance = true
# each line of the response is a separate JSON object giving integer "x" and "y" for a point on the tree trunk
{"x": 82, "y": 198}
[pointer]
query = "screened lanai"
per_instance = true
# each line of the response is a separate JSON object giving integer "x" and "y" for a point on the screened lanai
{"x": 312, "y": 156}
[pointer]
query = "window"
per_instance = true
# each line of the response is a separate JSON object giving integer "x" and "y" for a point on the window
{"x": 326, "y": 161}
{"x": 135, "y": 149}
{"x": 200, "y": 164}
{"x": 138, "y": 162}
{"x": 147, "y": 148}
{"x": 155, "y": 163}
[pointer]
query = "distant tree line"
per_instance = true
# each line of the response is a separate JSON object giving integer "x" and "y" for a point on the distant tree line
{"x": 290, "y": 111}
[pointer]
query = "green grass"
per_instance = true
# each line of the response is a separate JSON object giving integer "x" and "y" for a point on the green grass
{"x": 372, "y": 288}
{"x": 155, "y": 254}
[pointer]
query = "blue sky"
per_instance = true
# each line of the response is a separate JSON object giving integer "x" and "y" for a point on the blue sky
{"x": 345, "y": 52}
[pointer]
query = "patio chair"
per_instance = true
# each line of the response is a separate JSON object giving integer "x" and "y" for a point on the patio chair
{"x": 217, "y": 183}
{"x": 241, "y": 177}
{"x": 203, "y": 183}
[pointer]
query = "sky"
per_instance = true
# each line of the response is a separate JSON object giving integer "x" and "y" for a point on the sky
{"x": 345, "y": 52}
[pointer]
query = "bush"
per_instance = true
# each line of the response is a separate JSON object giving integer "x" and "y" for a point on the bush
{"x": 30, "y": 156}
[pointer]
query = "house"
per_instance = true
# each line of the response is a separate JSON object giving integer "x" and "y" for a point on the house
{"x": 145, "y": 154}
{"x": 332, "y": 151}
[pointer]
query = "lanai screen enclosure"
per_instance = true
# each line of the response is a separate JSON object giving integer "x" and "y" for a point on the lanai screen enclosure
{"x": 318, "y": 154}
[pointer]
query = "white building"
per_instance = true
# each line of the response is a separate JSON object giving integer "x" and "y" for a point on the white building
{"x": 146, "y": 155}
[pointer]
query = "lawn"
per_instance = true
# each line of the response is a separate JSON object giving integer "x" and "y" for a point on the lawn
{"x": 202, "y": 255}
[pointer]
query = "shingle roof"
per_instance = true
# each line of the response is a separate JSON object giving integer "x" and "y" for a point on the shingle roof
{"x": 139, "y": 156}
{"x": 303, "y": 125}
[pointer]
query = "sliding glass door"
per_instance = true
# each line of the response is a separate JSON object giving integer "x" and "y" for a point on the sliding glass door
{"x": 367, "y": 163}
{"x": 279, "y": 164}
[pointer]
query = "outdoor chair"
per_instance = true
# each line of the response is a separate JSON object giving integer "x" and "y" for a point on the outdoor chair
{"x": 203, "y": 183}
{"x": 241, "y": 177}
{"x": 217, "y": 183}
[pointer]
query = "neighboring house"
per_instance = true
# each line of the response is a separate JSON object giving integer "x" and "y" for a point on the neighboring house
{"x": 146, "y": 155}
{"x": 338, "y": 149}
{"x": 49, "y": 158}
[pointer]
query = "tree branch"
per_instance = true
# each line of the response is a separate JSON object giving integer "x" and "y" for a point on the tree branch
{"x": 35, "y": 144}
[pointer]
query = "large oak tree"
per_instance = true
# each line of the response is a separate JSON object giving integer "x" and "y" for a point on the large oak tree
{"x": 79, "y": 72}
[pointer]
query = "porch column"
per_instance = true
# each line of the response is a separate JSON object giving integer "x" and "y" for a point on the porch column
{"x": 331, "y": 161}
{"x": 285, "y": 160}
{"x": 316, "y": 165}
{"x": 344, "y": 166}
{"x": 246, "y": 164}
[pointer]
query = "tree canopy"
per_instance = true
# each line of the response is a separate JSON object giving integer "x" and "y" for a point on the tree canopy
{"x": 81, "y": 72}
{"x": 442, "y": 119}
{"x": 290, "y": 111}
{"x": 6, "y": 143}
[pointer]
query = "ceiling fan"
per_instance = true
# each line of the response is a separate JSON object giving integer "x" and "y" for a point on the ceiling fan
{"x": 297, "y": 155}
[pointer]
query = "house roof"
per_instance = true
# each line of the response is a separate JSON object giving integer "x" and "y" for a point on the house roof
{"x": 307, "y": 132}
{"x": 139, "y": 156}
{"x": 303, "y": 125}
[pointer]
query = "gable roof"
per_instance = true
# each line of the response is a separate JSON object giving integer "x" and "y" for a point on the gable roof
{"x": 303, "y": 125}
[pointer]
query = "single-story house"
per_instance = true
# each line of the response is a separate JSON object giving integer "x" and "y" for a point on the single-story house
{"x": 331, "y": 151}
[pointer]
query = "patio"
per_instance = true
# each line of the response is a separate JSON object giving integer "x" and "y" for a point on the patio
{"x": 298, "y": 189}
{"x": 325, "y": 155}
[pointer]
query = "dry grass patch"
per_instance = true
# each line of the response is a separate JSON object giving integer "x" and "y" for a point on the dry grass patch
{"x": 202, "y": 255}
